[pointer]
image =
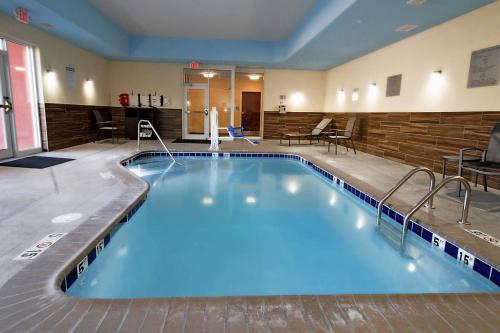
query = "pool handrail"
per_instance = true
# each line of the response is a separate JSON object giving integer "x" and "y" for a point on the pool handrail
{"x": 430, "y": 195}
{"x": 403, "y": 181}
{"x": 144, "y": 121}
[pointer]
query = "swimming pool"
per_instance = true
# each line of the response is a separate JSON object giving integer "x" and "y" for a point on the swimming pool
{"x": 260, "y": 226}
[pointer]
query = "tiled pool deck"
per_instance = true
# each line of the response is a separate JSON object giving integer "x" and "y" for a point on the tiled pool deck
{"x": 31, "y": 301}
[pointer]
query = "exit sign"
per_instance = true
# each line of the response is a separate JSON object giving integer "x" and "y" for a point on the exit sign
{"x": 22, "y": 15}
{"x": 194, "y": 65}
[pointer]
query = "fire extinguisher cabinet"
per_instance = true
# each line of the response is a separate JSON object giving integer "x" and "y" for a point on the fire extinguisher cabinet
{"x": 132, "y": 117}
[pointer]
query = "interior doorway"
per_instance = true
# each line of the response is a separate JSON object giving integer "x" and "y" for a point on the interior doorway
{"x": 250, "y": 112}
{"x": 203, "y": 89}
{"x": 249, "y": 87}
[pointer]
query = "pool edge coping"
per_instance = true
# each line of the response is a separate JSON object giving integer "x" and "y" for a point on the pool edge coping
{"x": 53, "y": 277}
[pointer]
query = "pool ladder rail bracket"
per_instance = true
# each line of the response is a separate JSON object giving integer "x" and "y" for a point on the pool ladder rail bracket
{"x": 146, "y": 124}
{"x": 427, "y": 200}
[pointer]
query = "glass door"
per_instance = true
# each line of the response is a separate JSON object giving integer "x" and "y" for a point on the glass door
{"x": 195, "y": 115}
{"x": 6, "y": 147}
{"x": 19, "y": 119}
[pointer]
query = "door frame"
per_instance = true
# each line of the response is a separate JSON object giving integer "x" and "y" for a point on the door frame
{"x": 185, "y": 112}
{"x": 37, "y": 96}
{"x": 6, "y": 92}
{"x": 261, "y": 114}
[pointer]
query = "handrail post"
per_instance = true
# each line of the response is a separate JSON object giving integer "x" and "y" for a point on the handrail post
{"x": 401, "y": 182}
{"x": 157, "y": 135}
{"x": 465, "y": 207}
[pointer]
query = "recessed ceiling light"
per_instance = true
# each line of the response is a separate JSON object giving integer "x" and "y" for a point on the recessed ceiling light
{"x": 407, "y": 28}
{"x": 250, "y": 200}
{"x": 416, "y": 2}
{"x": 254, "y": 77}
{"x": 208, "y": 75}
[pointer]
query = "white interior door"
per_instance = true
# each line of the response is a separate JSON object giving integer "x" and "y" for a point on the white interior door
{"x": 195, "y": 120}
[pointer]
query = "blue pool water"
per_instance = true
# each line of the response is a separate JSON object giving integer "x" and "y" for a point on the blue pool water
{"x": 231, "y": 227}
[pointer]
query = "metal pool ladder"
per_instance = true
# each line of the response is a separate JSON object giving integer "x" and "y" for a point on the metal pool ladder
{"x": 427, "y": 200}
{"x": 148, "y": 125}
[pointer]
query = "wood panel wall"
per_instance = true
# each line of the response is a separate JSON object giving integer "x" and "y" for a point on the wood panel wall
{"x": 67, "y": 125}
{"x": 168, "y": 121}
{"x": 70, "y": 125}
{"x": 416, "y": 138}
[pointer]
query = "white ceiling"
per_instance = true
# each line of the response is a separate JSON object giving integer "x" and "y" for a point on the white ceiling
{"x": 232, "y": 19}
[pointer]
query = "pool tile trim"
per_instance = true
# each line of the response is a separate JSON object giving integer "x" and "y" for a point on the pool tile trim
{"x": 473, "y": 262}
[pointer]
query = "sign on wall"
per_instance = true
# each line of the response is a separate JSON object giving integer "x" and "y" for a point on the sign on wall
{"x": 394, "y": 85}
{"x": 484, "y": 67}
{"x": 70, "y": 78}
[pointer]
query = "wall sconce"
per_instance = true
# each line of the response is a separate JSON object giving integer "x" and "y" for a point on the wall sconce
{"x": 436, "y": 83}
{"x": 88, "y": 88}
{"x": 50, "y": 78}
{"x": 372, "y": 90}
{"x": 355, "y": 95}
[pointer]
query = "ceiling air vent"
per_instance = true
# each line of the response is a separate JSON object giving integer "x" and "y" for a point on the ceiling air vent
{"x": 46, "y": 25}
{"x": 407, "y": 28}
{"x": 416, "y": 2}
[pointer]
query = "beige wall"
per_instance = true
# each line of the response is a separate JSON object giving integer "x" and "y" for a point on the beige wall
{"x": 144, "y": 77}
{"x": 304, "y": 90}
{"x": 56, "y": 54}
{"x": 167, "y": 79}
{"x": 446, "y": 47}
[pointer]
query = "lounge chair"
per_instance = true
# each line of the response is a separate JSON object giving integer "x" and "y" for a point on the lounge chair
{"x": 489, "y": 165}
{"x": 314, "y": 133}
{"x": 339, "y": 134}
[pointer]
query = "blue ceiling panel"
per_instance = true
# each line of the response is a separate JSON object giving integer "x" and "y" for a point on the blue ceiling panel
{"x": 331, "y": 33}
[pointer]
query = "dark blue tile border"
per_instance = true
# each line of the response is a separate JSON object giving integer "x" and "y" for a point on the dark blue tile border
{"x": 482, "y": 268}
{"x": 427, "y": 235}
{"x": 479, "y": 265}
{"x": 451, "y": 249}
{"x": 495, "y": 276}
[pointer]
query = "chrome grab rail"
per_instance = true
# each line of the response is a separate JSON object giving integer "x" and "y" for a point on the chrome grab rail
{"x": 465, "y": 207}
{"x": 401, "y": 182}
{"x": 143, "y": 121}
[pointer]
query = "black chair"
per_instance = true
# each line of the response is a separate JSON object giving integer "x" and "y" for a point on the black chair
{"x": 335, "y": 136}
{"x": 489, "y": 165}
{"x": 103, "y": 126}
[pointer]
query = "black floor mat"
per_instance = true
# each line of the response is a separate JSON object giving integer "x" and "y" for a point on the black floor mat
{"x": 36, "y": 162}
{"x": 179, "y": 140}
